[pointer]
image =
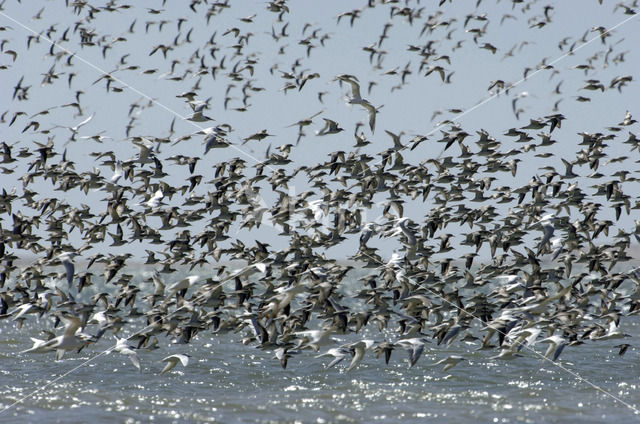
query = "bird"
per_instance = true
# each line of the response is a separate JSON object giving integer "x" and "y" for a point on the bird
{"x": 330, "y": 127}
{"x": 402, "y": 223}
{"x": 173, "y": 360}
{"x": 214, "y": 138}
{"x": 397, "y": 145}
{"x": 556, "y": 346}
{"x": 314, "y": 339}
{"x": 414, "y": 346}
{"x": 358, "y": 350}
{"x": 356, "y": 99}
{"x": 180, "y": 287}
{"x": 260, "y": 135}
{"x": 613, "y": 332}
{"x": 198, "y": 109}
{"x": 154, "y": 201}
{"x": 123, "y": 348}
{"x": 145, "y": 154}
{"x": 450, "y": 362}
{"x": 622, "y": 348}
{"x": 338, "y": 354}
{"x": 39, "y": 346}
{"x": 118, "y": 172}
{"x": 74, "y": 130}
{"x": 69, "y": 340}
{"x": 66, "y": 259}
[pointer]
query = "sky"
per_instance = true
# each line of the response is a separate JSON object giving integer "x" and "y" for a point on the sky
{"x": 553, "y": 40}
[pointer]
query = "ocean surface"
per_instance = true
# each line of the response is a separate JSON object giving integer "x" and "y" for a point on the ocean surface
{"x": 227, "y": 381}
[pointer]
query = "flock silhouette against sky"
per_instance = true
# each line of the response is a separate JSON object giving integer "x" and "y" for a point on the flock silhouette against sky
{"x": 403, "y": 175}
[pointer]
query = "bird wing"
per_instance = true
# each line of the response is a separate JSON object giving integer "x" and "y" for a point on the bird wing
{"x": 183, "y": 358}
{"x": 70, "y": 269}
{"x": 372, "y": 115}
{"x": 86, "y": 121}
{"x": 72, "y": 325}
{"x": 133, "y": 357}
{"x": 355, "y": 89}
{"x": 171, "y": 362}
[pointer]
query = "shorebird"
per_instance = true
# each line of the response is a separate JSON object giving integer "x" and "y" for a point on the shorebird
{"x": 358, "y": 350}
{"x": 450, "y": 362}
{"x": 154, "y": 201}
{"x": 173, "y": 360}
{"x": 69, "y": 340}
{"x": 214, "y": 138}
{"x": 123, "y": 348}
{"x": 39, "y": 346}
{"x": 338, "y": 354}
{"x": 414, "y": 346}
{"x": 330, "y": 127}
{"x": 180, "y": 287}
{"x": 356, "y": 99}
{"x": 556, "y": 346}
{"x": 314, "y": 339}
{"x": 198, "y": 109}
{"x": 66, "y": 259}
{"x": 74, "y": 130}
{"x": 260, "y": 135}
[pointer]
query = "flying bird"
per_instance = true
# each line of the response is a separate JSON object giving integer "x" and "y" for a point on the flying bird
{"x": 173, "y": 360}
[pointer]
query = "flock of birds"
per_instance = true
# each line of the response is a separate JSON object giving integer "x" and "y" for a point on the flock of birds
{"x": 492, "y": 267}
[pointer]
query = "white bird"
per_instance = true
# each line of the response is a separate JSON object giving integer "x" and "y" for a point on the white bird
{"x": 510, "y": 283}
{"x": 39, "y": 346}
{"x": 556, "y": 346}
{"x": 402, "y": 223}
{"x": 506, "y": 353}
{"x": 117, "y": 173}
{"x": 158, "y": 287}
{"x": 316, "y": 209}
{"x": 69, "y": 267}
{"x": 181, "y": 286}
{"x": 123, "y": 348}
{"x": 394, "y": 261}
{"x": 25, "y": 308}
{"x": 414, "y": 346}
{"x": 557, "y": 245}
{"x": 247, "y": 271}
{"x": 154, "y": 201}
{"x": 69, "y": 340}
{"x": 146, "y": 149}
{"x": 74, "y": 129}
{"x": 356, "y": 99}
{"x": 548, "y": 230}
{"x": 315, "y": 339}
{"x": 367, "y": 231}
{"x": 517, "y": 339}
{"x": 197, "y": 116}
{"x": 282, "y": 299}
{"x": 613, "y": 332}
{"x": 450, "y": 362}
{"x": 173, "y": 360}
{"x": 338, "y": 353}
{"x": 358, "y": 350}
{"x": 214, "y": 139}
